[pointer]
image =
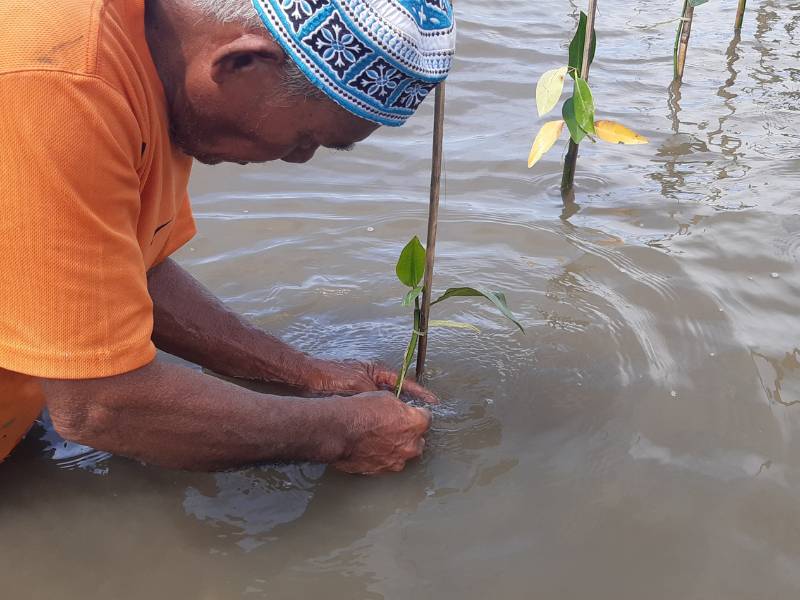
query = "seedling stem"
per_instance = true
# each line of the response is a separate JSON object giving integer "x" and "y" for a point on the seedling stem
{"x": 682, "y": 41}
{"x": 740, "y": 14}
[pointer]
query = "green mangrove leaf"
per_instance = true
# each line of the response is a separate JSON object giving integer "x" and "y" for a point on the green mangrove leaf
{"x": 549, "y": 90}
{"x": 576, "y": 47}
{"x": 575, "y": 131}
{"x": 411, "y": 265}
{"x": 412, "y": 295}
{"x": 496, "y": 298}
{"x": 696, "y": 3}
{"x": 584, "y": 105}
{"x": 454, "y": 325}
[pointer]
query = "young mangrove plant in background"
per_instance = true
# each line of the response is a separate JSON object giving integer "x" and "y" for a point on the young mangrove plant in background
{"x": 410, "y": 271}
{"x": 685, "y": 31}
{"x": 578, "y": 111}
{"x": 682, "y": 37}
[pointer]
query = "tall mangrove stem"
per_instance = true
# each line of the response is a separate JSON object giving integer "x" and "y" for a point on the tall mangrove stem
{"x": 740, "y": 14}
{"x": 682, "y": 39}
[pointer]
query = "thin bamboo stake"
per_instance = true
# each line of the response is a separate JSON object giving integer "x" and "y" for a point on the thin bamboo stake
{"x": 571, "y": 160}
{"x": 433, "y": 224}
{"x": 740, "y": 14}
{"x": 685, "y": 31}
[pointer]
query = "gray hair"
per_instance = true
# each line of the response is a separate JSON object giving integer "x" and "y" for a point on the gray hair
{"x": 295, "y": 83}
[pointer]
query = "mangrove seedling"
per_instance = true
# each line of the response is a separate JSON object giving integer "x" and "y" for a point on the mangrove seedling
{"x": 685, "y": 31}
{"x": 682, "y": 37}
{"x": 578, "y": 111}
{"x": 410, "y": 271}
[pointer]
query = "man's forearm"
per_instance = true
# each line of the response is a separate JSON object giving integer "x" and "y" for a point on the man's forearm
{"x": 171, "y": 416}
{"x": 191, "y": 323}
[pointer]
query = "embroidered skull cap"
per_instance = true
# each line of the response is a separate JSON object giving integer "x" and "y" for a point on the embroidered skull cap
{"x": 379, "y": 59}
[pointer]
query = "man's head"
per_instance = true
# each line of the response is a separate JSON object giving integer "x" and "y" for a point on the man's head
{"x": 242, "y": 84}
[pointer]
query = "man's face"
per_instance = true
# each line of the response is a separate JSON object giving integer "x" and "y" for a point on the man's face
{"x": 232, "y": 92}
{"x": 248, "y": 118}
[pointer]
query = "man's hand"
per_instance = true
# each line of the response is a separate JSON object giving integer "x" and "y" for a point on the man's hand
{"x": 384, "y": 435}
{"x": 175, "y": 417}
{"x": 191, "y": 323}
{"x": 355, "y": 377}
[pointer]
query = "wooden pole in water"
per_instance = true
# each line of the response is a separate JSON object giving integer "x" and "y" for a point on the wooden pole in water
{"x": 740, "y": 14}
{"x": 433, "y": 223}
{"x": 685, "y": 31}
{"x": 571, "y": 160}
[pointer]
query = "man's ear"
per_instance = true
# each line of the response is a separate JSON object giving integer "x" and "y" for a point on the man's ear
{"x": 248, "y": 52}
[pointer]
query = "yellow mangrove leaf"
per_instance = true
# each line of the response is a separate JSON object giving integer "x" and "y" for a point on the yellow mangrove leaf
{"x": 544, "y": 140}
{"x": 615, "y": 133}
{"x": 549, "y": 90}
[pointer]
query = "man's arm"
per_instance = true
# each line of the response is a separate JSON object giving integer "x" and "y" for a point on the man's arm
{"x": 173, "y": 417}
{"x": 191, "y": 323}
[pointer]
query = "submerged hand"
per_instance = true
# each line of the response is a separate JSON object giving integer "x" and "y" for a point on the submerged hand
{"x": 383, "y": 433}
{"x": 355, "y": 377}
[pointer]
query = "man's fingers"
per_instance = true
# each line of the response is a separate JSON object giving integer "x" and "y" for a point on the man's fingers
{"x": 386, "y": 377}
{"x": 419, "y": 447}
{"x": 424, "y": 419}
{"x": 414, "y": 448}
{"x": 412, "y": 388}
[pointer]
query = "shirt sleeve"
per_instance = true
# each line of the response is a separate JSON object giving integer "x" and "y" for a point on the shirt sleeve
{"x": 73, "y": 285}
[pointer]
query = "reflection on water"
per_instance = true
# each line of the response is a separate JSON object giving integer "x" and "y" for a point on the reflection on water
{"x": 641, "y": 441}
{"x": 725, "y": 466}
{"x": 254, "y": 502}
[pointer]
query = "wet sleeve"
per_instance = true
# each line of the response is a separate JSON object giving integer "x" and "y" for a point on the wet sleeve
{"x": 73, "y": 286}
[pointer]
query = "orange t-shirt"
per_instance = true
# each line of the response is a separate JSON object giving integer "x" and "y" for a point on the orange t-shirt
{"x": 92, "y": 194}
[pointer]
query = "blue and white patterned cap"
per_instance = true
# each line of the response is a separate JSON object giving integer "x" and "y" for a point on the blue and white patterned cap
{"x": 376, "y": 58}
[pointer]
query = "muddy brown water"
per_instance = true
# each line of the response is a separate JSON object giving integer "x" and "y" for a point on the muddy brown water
{"x": 641, "y": 441}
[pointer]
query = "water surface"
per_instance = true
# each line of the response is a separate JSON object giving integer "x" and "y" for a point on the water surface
{"x": 641, "y": 441}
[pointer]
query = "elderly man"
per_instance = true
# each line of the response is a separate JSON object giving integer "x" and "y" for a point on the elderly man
{"x": 103, "y": 104}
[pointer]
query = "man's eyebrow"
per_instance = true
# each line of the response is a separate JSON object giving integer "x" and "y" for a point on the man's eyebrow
{"x": 342, "y": 147}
